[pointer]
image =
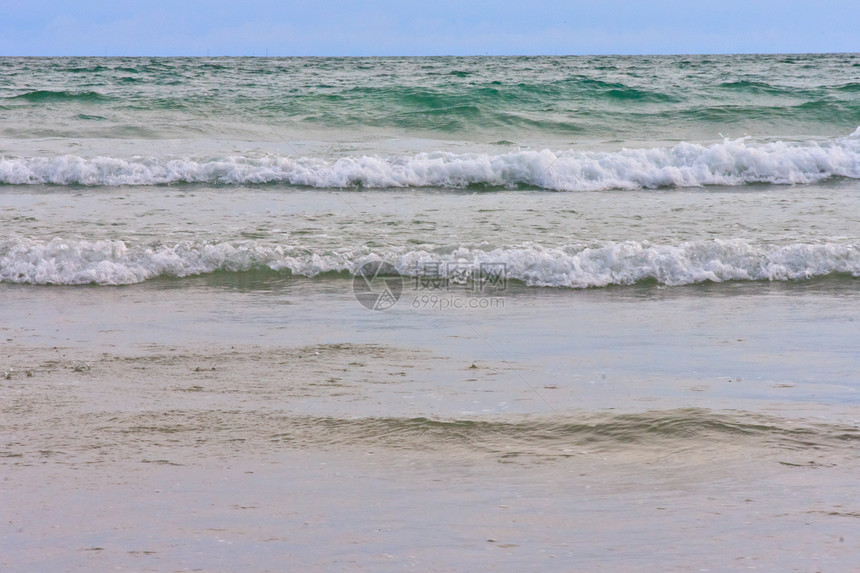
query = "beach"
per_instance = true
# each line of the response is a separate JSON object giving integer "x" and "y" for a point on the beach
{"x": 431, "y": 441}
{"x": 331, "y": 314}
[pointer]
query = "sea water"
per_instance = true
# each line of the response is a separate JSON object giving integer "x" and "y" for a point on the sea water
{"x": 441, "y": 313}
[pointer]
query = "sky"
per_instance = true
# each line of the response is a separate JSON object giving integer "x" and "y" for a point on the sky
{"x": 429, "y": 27}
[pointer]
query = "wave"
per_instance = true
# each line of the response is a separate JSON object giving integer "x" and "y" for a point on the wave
{"x": 594, "y": 88}
{"x": 731, "y": 162}
{"x": 554, "y": 436}
{"x": 61, "y": 95}
{"x": 768, "y": 89}
{"x": 114, "y": 262}
{"x": 562, "y": 435}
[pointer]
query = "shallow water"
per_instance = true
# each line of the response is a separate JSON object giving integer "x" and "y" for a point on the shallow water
{"x": 224, "y": 425}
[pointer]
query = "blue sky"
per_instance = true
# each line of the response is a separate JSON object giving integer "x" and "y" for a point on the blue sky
{"x": 430, "y": 27}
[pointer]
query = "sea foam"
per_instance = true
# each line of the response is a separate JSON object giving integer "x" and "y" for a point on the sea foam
{"x": 731, "y": 162}
{"x": 113, "y": 262}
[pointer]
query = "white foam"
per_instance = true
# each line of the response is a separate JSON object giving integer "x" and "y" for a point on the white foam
{"x": 112, "y": 262}
{"x": 732, "y": 162}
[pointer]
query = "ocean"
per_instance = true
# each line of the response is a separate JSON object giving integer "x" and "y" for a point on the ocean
{"x": 435, "y": 314}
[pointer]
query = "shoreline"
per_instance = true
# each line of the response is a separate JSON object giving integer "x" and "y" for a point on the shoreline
{"x": 157, "y": 460}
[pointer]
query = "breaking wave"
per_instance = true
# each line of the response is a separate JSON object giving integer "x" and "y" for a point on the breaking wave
{"x": 114, "y": 262}
{"x": 730, "y": 163}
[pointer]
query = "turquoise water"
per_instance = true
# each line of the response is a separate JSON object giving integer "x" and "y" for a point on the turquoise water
{"x": 606, "y": 101}
{"x": 773, "y": 141}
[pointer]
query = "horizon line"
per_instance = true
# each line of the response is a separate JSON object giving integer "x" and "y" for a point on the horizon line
{"x": 484, "y": 55}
